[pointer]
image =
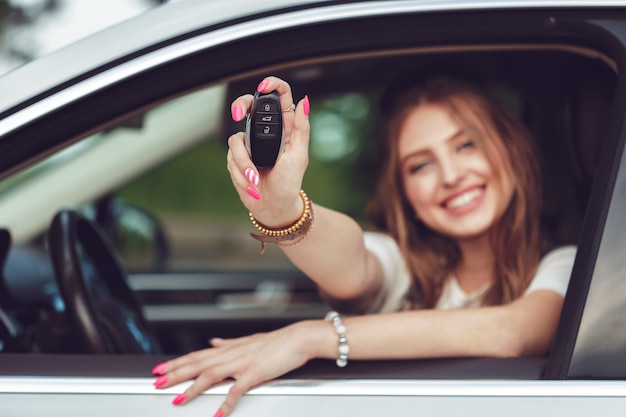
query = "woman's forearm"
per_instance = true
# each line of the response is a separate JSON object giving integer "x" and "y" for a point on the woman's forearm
{"x": 334, "y": 256}
{"x": 418, "y": 335}
{"x": 525, "y": 327}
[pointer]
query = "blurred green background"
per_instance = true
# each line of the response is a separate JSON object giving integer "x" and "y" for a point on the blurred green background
{"x": 339, "y": 173}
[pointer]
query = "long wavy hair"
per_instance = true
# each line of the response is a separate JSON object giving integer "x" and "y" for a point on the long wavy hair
{"x": 515, "y": 239}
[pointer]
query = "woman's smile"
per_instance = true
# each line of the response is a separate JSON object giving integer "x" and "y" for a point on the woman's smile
{"x": 464, "y": 201}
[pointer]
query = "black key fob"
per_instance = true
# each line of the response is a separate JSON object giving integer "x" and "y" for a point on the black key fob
{"x": 264, "y": 129}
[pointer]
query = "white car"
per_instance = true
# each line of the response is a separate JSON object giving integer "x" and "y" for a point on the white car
{"x": 123, "y": 243}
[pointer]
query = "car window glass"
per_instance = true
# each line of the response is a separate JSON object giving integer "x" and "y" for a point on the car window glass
{"x": 50, "y": 163}
{"x": 105, "y": 160}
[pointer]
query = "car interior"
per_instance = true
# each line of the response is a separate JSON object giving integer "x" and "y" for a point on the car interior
{"x": 74, "y": 290}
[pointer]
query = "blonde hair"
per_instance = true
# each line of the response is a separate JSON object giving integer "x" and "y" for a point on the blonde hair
{"x": 515, "y": 239}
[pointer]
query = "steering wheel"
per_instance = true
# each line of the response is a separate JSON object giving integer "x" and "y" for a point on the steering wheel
{"x": 93, "y": 283}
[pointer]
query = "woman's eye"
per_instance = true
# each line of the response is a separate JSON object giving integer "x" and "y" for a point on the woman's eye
{"x": 418, "y": 166}
{"x": 465, "y": 145}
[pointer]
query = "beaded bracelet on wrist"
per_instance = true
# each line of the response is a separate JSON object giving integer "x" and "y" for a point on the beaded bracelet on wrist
{"x": 298, "y": 230}
{"x": 343, "y": 350}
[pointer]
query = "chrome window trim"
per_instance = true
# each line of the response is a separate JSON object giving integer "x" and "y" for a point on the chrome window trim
{"x": 360, "y": 387}
{"x": 271, "y": 23}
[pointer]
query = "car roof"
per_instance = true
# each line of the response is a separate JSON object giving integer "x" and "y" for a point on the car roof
{"x": 178, "y": 20}
{"x": 153, "y": 28}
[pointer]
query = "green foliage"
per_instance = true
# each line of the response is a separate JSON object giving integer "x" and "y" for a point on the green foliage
{"x": 197, "y": 183}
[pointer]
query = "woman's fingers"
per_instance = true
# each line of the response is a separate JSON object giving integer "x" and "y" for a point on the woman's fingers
{"x": 237, "y": 159}
{"x": 240, "y": 107}
{"x": 239, "y": 388}
{"x": 270, "y": 84}
{"x": 271, "y": 192}
{"x": 292, "y": 120}
{"x": 182, "y": 369}
{"x": 243, "y": 173}
{"x": 208, "y": 378}
{"x": 206, "y": 367}
{"x": 248, "y": 361}
{"x": 217, "y": 342}
{"x": 299, "y": 143}
{"x": 210, "y": 367}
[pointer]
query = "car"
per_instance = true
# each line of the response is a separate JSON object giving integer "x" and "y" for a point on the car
{"x": 123, "y": 243}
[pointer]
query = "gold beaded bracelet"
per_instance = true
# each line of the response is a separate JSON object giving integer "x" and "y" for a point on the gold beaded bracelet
{"x": 298, "y": 230}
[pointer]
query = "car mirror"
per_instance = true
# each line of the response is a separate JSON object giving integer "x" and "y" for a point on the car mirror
{"x": 137, "y": 235}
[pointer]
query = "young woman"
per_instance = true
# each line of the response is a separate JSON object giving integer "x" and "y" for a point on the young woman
{"x": 455, "y": 270}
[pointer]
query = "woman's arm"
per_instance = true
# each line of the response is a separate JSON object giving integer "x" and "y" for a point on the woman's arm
{"x": 525, "y": 327}
{"x": 332, "y": 253}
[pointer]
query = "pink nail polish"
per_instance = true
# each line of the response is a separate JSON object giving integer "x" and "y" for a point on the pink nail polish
{"x": 262, "y": 86}
{"x": 252, "y": 176}
{"x": 252, "y": 192}
{"x": 306, "y": 105}
{"x": 160, "y": 381}
{"x": 219, "y": 413}
{"x": 179, "y": 399}
{"x": 237, "y": 113}
{"x": 159, "y": 369}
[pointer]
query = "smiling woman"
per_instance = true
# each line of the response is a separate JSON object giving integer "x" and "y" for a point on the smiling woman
{"x": 469, "y": 174}
{"x": 450, "y": 202}
{"x": 128, "y": 128}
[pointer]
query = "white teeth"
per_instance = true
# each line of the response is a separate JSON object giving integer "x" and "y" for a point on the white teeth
{"x": 464, "y": 199}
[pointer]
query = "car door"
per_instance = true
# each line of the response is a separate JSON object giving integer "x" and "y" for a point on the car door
{"x": 578, "y": 378}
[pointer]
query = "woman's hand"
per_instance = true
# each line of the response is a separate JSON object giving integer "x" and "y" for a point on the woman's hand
{"x": 249, "y": 360}
{"x": 272, "y": 194}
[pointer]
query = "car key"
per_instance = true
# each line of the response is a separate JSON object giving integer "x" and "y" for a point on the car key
{"x": 264, "y": 129}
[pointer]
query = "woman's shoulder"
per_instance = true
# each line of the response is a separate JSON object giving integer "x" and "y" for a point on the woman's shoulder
{"x": 396, "y": 278}
{"x": 554, "y": 270}
{"x": 558, "y": 253}
{"x": 376, "y": 238}
{"x": 551, "y": 247}
{"x": 386, "y": 250}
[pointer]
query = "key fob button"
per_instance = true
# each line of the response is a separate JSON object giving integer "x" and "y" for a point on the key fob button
{"x": 263, "y": 130}
{"x": 267, "y": 106}
{"x": 266, "y": 118}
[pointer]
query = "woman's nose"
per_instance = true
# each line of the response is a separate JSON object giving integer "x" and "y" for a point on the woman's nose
{"x": 451, "y": 172}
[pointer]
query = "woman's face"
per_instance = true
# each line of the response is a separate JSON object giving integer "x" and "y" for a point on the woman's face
{"x": 448, "y": 180}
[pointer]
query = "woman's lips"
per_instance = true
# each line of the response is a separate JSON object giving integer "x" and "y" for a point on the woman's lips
{"x": 464, "y": 201}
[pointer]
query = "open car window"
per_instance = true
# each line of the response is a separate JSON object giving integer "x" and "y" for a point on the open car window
{"x": 158, "y": 185}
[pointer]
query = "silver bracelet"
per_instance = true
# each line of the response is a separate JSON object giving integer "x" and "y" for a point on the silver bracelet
{"x": 340, "y": 329}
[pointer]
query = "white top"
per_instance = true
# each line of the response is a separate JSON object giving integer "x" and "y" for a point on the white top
{"x": 553, "y": 274}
